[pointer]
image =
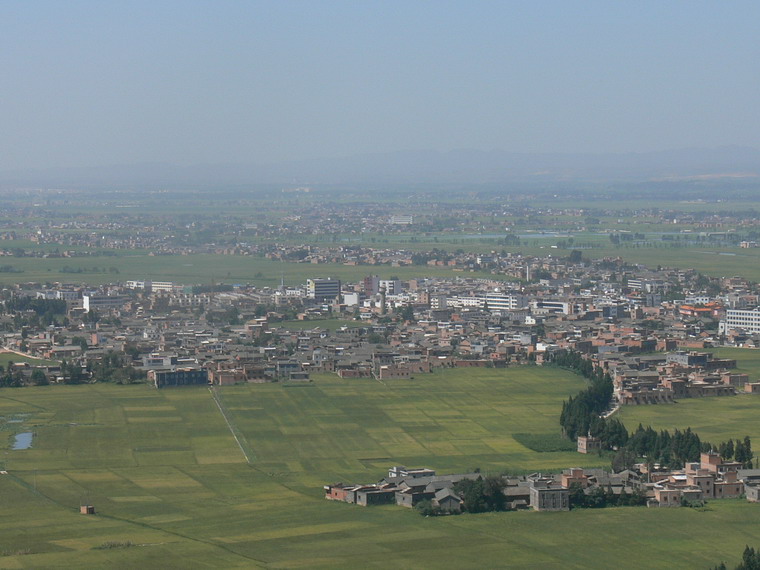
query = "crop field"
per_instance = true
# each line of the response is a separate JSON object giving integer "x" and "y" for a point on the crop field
{"x": 714, "y": 419}
{"x": 198, "y": 268}
{"x": 174, "y": 489}
{"x": 326, "y": 324}
{"x": 211, "y": 268}
{"x": 7, "y": 356}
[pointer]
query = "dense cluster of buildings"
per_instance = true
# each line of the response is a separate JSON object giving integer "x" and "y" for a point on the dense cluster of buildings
{"x": 710, "y": 478}
{"x": 624, "y": 318}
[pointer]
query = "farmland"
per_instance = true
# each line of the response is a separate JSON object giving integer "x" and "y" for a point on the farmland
{"x": 165, "y": 474}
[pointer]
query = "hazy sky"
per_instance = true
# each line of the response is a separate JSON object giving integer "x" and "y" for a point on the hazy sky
{"x": 106, "y": 82}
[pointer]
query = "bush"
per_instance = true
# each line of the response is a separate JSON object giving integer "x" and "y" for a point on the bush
{"x": 427, "y": 509}
{"x": 109, "y": 544}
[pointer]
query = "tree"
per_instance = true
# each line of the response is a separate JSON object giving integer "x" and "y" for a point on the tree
{"x": 577, "y": 496}
{"x": 375, "y": 338}
{"x": 750, "y": 559}
{"x": 72, "y": 373}
{"x": 473, "y": 497}
{"x": 480, "y": 495}
{"x": 427, "y": 509}
{"x": 493, "y": 491}
{"x": 81, "y": 341}
{"x": 39, "y": 378}
{"x": 597, "y": 499}
{"x": 625, "y": 458}
{"x": 407, "y": 313}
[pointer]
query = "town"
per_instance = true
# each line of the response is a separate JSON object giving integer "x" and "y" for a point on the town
{"x": 625, "y": 319}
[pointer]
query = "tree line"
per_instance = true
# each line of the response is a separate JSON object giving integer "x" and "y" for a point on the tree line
{"x": 581, "y": 415}
{"x": 750, "y": 560}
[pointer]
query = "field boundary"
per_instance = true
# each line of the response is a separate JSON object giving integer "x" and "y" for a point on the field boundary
{"x": 239, "y": 437}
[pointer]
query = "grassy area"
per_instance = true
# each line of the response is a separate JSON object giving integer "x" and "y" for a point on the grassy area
{"x": 6, "y": 357}
{"x": 328, "y": 324}
{"x": 714, "y": 419}
{"x": 202, "y": 268}
{"x": 164, "y": 474}
{"x": 747, "y": 360}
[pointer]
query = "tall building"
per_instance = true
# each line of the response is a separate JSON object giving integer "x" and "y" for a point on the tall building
{"x": 323, "y": 289}
{"x": 504, "y": 302}
{"x": 391, "y": 286}
{"x": 371, "y": 285}
{"x": 102, "y": 302}
{"x": 747, "y": 320}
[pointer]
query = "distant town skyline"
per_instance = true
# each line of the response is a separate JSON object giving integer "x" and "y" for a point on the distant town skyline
{"x": 89, "y": 84}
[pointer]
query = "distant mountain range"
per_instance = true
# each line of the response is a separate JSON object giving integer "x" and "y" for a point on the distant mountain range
{"x": 413, "y": 167}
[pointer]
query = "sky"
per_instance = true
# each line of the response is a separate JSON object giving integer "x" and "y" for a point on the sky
{"x": 212, "y": 82}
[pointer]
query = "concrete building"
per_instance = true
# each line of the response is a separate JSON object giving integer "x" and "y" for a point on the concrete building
{"x": 179, "y": 377}
{"x": 323, "y": 289}
{"x": 102, "y": 302}
{"x": 588, "y": 444}
{"x": 548, "y": 495}
{"x": 746, "y": 319}
{"x": 504, "y": 301}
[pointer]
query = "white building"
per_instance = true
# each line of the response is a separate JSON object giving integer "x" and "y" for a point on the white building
{"x": 102, "y": 302}
{"x": 746, "y": 319}
{"x": 323, "y": 289}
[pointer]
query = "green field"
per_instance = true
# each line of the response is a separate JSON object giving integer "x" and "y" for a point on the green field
{"x": 164, "y": 473}
{"x": 711, "y": 260}
{"x": 326, "y": 324}
{"x": 747, "y": 360}
{"x": 714, "y": 419}
{"x": 202, "y": 268}
{"x": 6, "y": 357}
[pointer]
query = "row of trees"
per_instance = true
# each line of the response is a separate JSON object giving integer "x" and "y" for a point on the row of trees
{"x": 750, "y": 560}
{"x": 671, "y": 451}
{"x": 39, "y": 306}
{"x": 740, "y": 451}
{"x": 112, "y": 368}
{"x": 600, "y": 497}
{"x": 581, "y": 414}
{"x": 674, "y": 450}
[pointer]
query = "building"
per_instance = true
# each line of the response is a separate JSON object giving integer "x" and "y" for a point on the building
{"x": 548, "y": 306}
{"x": 151, "y": 286}
{"x": 102, "y": 302}
{"x": 323, "y": 289}
{"x": 504, "y": 302}
{"x": 588, "y": 444}
{"x": 371, "y": 285}
{"x": 179, "y": 377}
{"x": 548, "y": 495}
{"x": 401, "y": 471}
{"x": 747, "y": 320}
{"x": 390, "y": 286}
{"x": 687, "y": 359}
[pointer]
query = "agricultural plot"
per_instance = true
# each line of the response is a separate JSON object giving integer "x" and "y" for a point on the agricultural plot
{"x": 714, "y": 419}
{"x": 6, "y": 357}
{"x": 197, "y": 268}
{"x": 173, "y": 489}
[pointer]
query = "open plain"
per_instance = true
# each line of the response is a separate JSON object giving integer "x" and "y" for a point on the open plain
{"x": 174, "y": 484}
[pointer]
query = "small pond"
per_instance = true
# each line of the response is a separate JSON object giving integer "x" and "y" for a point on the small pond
{"x": 23, "y": 440}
